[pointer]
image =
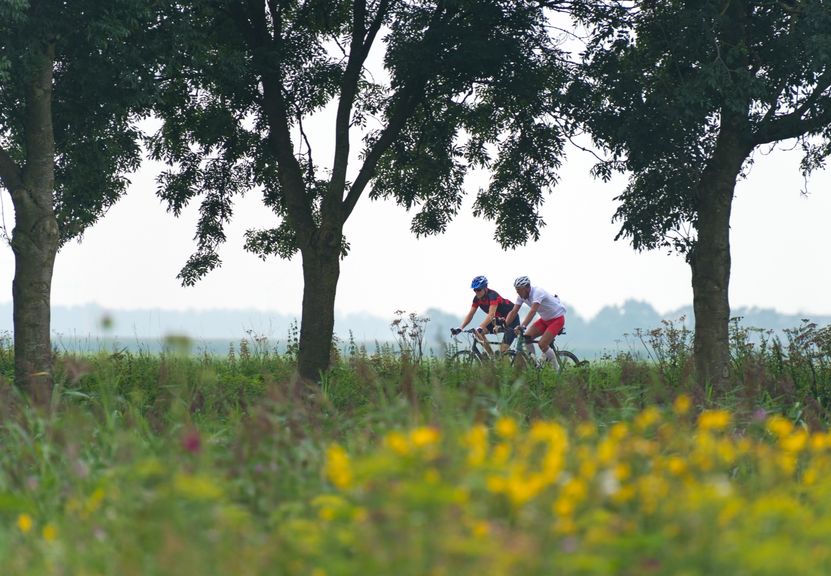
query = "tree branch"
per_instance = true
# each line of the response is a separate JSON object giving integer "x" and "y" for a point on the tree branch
{"x": 793, "y": 125}
{"x": 772, "y": 104}
{"x": 308, "y": 147}
{"x": 298, "y": 205}
{"x": 408, "y": 99}
{"x": 10, "y": 175}
{"x": 360, "y": 45}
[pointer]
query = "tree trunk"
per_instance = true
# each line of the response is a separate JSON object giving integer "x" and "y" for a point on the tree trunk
{"x": 321, "y": 269}
{"x": 35, "y": 244}
{"x": 710, "y": 261}
{"x": 35, "y": 238}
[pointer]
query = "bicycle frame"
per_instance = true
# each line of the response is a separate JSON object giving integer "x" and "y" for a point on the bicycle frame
{"x": 561, "y": 355}
{"x": 476, "y": 348}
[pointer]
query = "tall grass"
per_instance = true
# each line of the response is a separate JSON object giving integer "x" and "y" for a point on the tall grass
{"x": 175, "y": 464}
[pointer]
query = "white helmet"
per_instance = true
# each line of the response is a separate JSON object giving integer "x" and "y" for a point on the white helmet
{"x": 522, "y": 281}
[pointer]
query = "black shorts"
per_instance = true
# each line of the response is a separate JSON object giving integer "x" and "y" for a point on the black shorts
{"x": 508, "y": 334}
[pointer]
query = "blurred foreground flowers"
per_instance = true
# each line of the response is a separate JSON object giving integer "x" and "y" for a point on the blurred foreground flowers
{"x": 665, "y": 492}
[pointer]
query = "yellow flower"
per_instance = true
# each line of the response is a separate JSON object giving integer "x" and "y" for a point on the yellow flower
{"x": 819, "y": 441}
{"x": 398, "y": 443}
{"x": 787, "y": 462}
{"x": 622, "y": 471}
{"x": 24, "y": 523}
{"x": 714, "y": 420}
{"x": 726, "y": 451}
{"x": 196, "y": 487}
{"x": 682, "y": 404}
{"x": 521, "y": 489}
{"x": 506, "y": 427}
{"x": 587, "y": 469}
{"x": 476, "y": 440}
{"x": 779, "y": 426}
{"x": 501, "y": 453}
{"x": 94, "y": 501}
{"x": 606, "y": 451}
{"x": 563, "y": 508}
{"x": 575, "y": 490}
{"x": 50, "y": 532}
{"x": 676, "y": 465}
{"x": 329, "y": 506}
{"x": 425, "y": 436}
{"x": 338, "y": 469}
{"x": 647, "y": 418}
{"x": 810, "y": 476}
{"x": 618, "y": 431}
{"x": 565, "y": 525}
{"x": 624, "y": 494}
{"x": 496, "y": 484}
{"x": 795, "y": 442}
{"x": 480, "y": 529}
{"x": 550, "y": 432}
{"x": 730, "y": 510}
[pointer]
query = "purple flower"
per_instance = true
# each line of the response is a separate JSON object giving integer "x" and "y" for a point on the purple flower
{"x": 191, "y": 441}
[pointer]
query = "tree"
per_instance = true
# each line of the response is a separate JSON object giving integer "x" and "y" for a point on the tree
{"x": 682, "y": 96}
{"x": 472, "y": 83}
{"x": 73, "y": 78}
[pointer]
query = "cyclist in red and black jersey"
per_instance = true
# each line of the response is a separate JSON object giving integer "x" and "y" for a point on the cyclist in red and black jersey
{"x": 495, "y": 307}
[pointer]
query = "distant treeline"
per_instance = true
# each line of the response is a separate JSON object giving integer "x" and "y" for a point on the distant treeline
{"x": 91, "y": 327}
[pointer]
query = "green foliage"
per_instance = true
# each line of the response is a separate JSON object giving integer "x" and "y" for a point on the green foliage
{"x": 660, "y": 85}
{"x": 6, "y": 356}
{"x": 172, "y": 463}
{"x": 104, "y": 78}
{"x": 471, "y": 84}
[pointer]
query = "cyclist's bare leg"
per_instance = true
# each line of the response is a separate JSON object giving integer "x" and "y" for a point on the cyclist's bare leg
{"x": 545, "y": 347}
{"x": 483, "y": 340}
{"x": 545, "y": 340}
{"x": 530, "y": 333}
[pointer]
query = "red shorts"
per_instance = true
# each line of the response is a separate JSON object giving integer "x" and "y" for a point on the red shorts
{"x": 554, "y": 325}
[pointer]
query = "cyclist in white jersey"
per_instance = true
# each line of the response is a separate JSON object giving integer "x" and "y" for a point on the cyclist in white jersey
{"x": 552, "y": 315}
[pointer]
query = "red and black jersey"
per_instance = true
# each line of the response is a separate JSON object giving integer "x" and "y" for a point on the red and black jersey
{"x": 503, "y": 305}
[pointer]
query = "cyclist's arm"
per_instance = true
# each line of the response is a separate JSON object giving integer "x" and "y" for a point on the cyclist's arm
{"x": 489, "y": 318}
{"x": 512, "y": 314}
{"x": 468, "y": 318}
{"x": 531, "y": 313}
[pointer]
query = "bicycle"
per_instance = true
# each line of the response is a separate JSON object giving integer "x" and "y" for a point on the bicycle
{"x": 521, "y": 359}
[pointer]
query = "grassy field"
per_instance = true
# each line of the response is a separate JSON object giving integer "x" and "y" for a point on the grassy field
{"x": 172, "y": 464}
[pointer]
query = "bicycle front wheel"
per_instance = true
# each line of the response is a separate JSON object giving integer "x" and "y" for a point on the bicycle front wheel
{"x": 520, "y": 360}
{"x": 466, "y": 358}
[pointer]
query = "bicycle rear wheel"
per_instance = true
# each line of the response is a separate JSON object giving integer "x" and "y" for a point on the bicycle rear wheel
{"x": 567, "y": 359}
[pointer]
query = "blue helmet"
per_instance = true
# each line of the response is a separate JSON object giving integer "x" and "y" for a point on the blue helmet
{"x": 479, "y": 282}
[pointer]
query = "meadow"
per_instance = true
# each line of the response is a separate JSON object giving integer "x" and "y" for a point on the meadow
{"x": 178, "y": 464}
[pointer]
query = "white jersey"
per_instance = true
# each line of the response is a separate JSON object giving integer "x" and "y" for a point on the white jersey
{"x": 550, "y": 305}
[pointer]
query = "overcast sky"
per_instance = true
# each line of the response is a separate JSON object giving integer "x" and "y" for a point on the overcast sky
{"x": 780, "y": 241}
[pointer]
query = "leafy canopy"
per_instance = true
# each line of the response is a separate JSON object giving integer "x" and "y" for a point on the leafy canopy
{"x": 663, "y": 85}
{"x": 464, "y": 85}
{"x": 103, "y": 82}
